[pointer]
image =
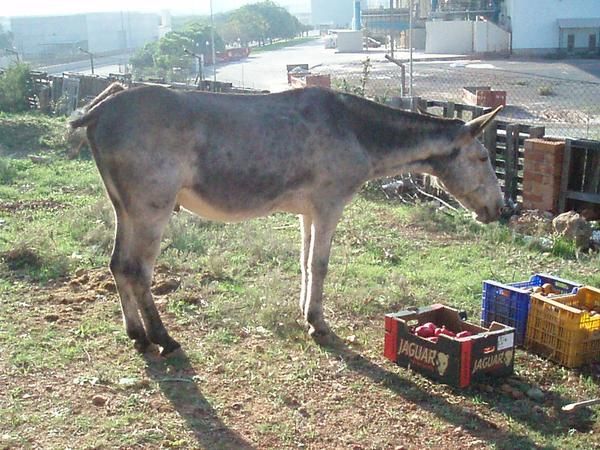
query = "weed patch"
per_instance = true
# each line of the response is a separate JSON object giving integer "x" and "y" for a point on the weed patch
{"x": 22, "y": 134}
{"x": 40, "y": 264}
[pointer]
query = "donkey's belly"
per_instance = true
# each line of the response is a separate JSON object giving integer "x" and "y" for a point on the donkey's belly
{"x": 191, "y": 201}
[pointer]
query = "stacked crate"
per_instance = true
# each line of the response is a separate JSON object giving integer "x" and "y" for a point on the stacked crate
{"x": 565, "y": 328}
{"x": 509, "y": 303}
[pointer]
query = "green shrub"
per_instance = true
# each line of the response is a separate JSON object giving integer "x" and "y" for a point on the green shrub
{"x": 14, "y": 88}
{"x": 546, "y": 91}
{"x": 7, "y": 171}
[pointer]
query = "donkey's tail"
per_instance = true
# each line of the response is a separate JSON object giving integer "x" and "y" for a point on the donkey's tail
{"x": 91, "y": 111}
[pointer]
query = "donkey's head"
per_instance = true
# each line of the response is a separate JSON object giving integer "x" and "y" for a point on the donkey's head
{"x": 466, "y": 171}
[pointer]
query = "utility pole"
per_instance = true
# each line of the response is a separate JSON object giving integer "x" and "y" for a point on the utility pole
{"x": 391, "y": 31}
{"x": 91, "y": 55}
{"x": 212, "y": 45}
{"x": 410, "y": 44}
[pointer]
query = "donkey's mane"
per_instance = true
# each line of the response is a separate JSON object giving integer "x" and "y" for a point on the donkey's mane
{"x": 383, "y": 129}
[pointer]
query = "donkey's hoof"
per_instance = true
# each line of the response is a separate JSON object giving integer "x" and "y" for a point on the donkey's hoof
{"x": 142, "y": 344}
{"x": 321, "y": 335}
{"x": 170, "y": 347}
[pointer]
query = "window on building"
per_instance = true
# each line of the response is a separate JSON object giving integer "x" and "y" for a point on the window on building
{"x": 592, "y": 42}
{"x": 570, "y": 42}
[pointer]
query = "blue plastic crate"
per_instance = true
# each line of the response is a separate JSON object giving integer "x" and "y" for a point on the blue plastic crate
{"x": 509, "y": 303}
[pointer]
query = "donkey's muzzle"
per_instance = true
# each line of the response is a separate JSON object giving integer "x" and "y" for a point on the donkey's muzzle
{"x": 491, "y": 213}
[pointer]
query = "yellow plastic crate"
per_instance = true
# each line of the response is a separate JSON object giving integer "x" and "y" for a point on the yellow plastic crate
{"x": 565, "y": 328}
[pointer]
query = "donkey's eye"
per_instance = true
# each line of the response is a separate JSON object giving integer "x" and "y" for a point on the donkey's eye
{"x": 483, "y": 158}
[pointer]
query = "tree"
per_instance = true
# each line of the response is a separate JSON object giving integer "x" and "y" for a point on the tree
{"x": 143, "y": 58}
{"x": 260, "y": 22}
{"x": 167, "y": 56}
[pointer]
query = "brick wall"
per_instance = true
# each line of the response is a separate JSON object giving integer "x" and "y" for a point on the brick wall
{"x": 542, "y": 174}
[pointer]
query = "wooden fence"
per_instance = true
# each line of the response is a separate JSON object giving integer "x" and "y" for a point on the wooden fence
{"x": 505, "y": 142}
{"x": 580, "y": 181}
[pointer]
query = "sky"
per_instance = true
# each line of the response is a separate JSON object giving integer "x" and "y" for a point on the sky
{"x": 61, "y": 7}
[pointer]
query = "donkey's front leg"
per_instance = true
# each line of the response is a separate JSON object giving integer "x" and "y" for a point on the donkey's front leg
{"x": 305, "y": 237}
{"x": 322, "y": 229}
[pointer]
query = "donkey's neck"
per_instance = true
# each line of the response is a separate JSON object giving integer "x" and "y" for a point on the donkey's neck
{"x": 398, "y": 141}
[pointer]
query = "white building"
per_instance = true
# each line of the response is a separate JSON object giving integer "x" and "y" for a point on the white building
{"x": 335, "y": 13}
{"x": 548, "y": 26}
{"x": 102, "y": 33}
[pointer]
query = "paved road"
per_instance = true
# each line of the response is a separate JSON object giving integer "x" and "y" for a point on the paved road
{"x": 267, "y": 70}
{"x": 102, "y": 66}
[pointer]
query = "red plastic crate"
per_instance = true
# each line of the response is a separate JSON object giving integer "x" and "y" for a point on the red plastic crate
{"x": 456, "y": 361}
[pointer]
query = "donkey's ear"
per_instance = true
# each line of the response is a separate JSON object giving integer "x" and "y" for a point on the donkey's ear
{"x": 475, "y": 127}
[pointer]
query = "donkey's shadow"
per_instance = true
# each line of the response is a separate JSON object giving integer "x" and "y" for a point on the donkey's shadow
{"x": 177, "y": 380}
{"x": 457, "y": 415}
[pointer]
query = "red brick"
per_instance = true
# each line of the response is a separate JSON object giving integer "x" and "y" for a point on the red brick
{"x": 546, "y": 145}
{"x": 533, "y": 156}
{"x": 533, "y": 177}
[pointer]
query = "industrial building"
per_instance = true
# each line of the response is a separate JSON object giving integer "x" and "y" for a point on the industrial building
{"x": 51, "y": 37}
{"x": 333, "y": 13}
{"x": 521, "y": 27}
{"x": 550, "y": 26}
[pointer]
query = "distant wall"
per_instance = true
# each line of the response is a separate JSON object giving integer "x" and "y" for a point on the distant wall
{"x": 465, "y": 37}
{"x": 449, "y": 37}
{"x": 490, "y": 38}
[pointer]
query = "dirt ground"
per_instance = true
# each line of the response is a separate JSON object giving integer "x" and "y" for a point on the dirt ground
{"x": 348, "y": 396}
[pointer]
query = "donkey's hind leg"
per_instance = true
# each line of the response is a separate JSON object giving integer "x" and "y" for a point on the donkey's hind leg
{"x": 134, "y": 267}
{"x": 131, "y": 318}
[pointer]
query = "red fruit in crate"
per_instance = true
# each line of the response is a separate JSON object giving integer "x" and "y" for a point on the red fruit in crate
{"x": 433, "y": 339}
{"x": 443, "y": 330}
{"x": 424, "y": 331}
{"x": 463, "y": 334}
{"x": 431, "y": 325}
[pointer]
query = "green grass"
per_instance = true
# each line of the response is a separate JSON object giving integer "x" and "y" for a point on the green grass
{"x": 250, "y": 375}
{"x": 282, "y": 44}
{"x": 23, "y": 134}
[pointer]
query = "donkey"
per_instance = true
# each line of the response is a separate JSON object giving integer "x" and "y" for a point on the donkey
{"x": 235, "y": 157}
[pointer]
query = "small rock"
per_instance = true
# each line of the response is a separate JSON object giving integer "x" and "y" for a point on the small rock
{"x": 51, "y": 317}
{"x": 109, "y": 286}
{"x": 99, "y": 400}
{"x": 457, "y": 430}
{"x": 517, "y": 394}
{"x": 535, "y": 394}
{"x": 166, "y": 287}
{"x": 572, "y": 225}
{"x": 128, "y": 381}
{"x": 79, "y": 272}
{"x": 538, "y": 410}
